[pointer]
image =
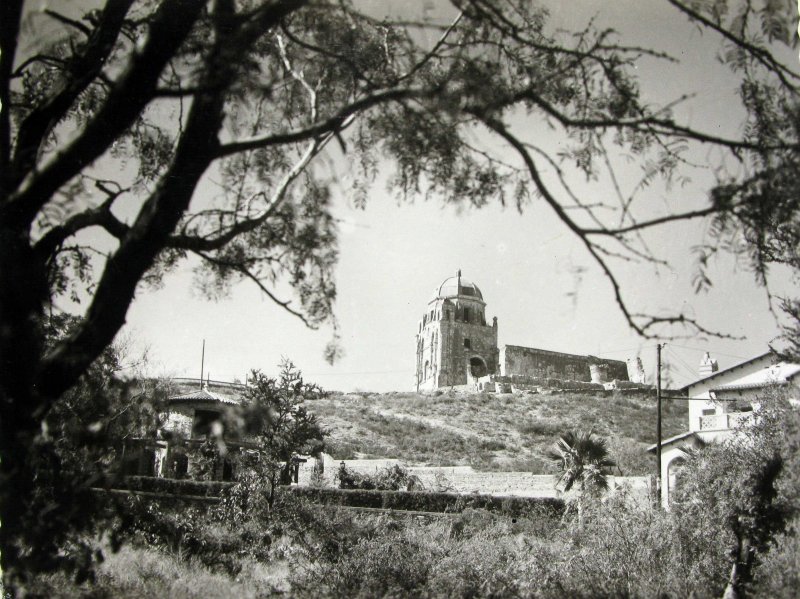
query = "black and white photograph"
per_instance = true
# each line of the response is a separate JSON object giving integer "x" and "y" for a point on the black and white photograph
{"x": 420, "y": 299}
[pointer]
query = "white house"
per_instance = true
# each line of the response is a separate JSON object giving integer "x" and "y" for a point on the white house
{"x": 720, "y": 402}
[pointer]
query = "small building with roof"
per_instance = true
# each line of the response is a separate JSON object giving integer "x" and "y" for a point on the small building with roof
{"x": 722, "y": 402}
{"x": 456, "y": 346}
{"x": 195, "y": 414}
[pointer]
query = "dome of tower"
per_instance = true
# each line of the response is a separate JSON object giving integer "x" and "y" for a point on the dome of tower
{"x": 457, "y": 286}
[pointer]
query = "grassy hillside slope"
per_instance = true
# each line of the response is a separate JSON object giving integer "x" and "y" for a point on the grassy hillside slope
{"x": 491, "y": 431}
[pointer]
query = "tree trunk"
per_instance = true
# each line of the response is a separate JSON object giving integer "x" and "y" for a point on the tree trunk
{"x": 16, "y": 492}
{"x": 23, "y": 292}
{"x": 740, "y": 570}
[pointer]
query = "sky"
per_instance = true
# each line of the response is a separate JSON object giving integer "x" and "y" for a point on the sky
{"x": 535, "y": 276}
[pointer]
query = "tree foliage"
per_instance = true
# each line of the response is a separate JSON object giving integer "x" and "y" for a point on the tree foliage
{"x": 743, "y": 492}
{"x": 78, "y": 450}
{"x": 581, "y": 458}
{"x": 283, "y": 427}
{"x": 143, "y": 133}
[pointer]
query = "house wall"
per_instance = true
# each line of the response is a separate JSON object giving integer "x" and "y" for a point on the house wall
{"x": 529, "y": 361}
{"x": 702, "y": 389}
{"x": 179, "y": 420}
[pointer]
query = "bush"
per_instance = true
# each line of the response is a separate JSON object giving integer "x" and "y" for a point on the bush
{"x": 430, "y": 502}
{"x": 391, "y": 478}
{"x": 171, "y": 486}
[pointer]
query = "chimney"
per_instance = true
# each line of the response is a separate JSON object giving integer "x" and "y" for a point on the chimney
{"x": 708, "y": 365}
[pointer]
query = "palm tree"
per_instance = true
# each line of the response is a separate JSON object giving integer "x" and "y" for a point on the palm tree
{"x": 581, "y": 458}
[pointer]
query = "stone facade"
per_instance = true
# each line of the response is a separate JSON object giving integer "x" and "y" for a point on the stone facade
{"x": 530, "y": 361}
{"x": 456, "y": 346}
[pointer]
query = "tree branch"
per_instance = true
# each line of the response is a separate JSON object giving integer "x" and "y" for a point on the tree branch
{"x": 162, "y": 211}
{"x": 81, "y": 70}
{"x": 10, "y": 15}
{"x": 653, "y": 222}
{"x": 98, "y": 216}
{"x": 168, "y": 28}
{"x": 194, "y": 243}
{"x": 241, "y": 269}
{"x": 70, "y": 22}
{"x": 647, "y": 124}
{"x": 641, "y": 329}
{"x": 331, "y": 125}
{"x": 762, "y": 55}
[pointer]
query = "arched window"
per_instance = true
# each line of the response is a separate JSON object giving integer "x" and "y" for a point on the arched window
{"x": 673, "y": 475}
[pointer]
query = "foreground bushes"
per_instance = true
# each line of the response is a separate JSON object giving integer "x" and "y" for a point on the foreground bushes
{"x": 621, "y": 549}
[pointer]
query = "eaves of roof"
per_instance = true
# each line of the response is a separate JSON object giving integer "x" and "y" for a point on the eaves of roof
{"x": 729, "y": 369}
{"x": 672, "y": 440}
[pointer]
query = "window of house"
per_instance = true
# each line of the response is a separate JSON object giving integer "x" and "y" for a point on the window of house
{"x": 203, "y": 419}
{"x": 467, "y": 343}
{"x": 466, "y": 314}
{"x": 709, "y": 411}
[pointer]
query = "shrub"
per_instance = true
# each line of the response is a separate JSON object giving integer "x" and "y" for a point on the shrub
{"x": 391, "y": 478}
{"x": 430, "y": 502}
{"x": 172, "y": 486}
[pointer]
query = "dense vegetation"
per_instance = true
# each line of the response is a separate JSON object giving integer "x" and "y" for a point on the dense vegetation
{"x": 731, "y": 528}
{"x": 492, "y": 431}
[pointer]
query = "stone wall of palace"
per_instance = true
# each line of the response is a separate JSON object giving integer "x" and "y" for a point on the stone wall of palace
{"x": 529, "y": 361}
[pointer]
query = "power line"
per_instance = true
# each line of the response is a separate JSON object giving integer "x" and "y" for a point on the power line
{"x": 618, "y": 351}
{"x": 716, "y": 352}
{"x": 689, "y": 369}
{"x": 406, "y": 370}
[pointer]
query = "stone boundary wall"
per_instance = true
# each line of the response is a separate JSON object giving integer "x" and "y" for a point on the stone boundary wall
{"x": 463, "y": 479}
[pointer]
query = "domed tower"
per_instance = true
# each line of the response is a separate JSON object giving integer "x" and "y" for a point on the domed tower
{"x": 455, "y": 346}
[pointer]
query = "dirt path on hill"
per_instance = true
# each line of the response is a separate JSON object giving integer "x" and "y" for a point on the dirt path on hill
{"x": 434, "y": 422}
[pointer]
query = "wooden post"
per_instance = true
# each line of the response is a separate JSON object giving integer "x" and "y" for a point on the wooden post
{"x": 202, "y": 363}
{"x": 659, "y": 482}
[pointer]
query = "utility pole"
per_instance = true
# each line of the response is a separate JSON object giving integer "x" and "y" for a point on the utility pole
{"x": 659, "y": 482}
{"x": 203, "y": 363}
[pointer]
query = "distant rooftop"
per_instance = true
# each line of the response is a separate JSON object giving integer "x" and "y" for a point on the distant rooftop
{"x": 231, "y": 393}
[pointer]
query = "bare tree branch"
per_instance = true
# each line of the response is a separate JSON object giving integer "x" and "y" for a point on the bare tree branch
{"x": 650, "y": 321}
{"x": 241, "y": 269}
{"x": 67, "y": 21}
{"x": 330, "y": 125}
{"x": 680, "y": 216}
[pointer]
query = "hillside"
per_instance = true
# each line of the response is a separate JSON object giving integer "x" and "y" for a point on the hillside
{"x": 491, "y": 431}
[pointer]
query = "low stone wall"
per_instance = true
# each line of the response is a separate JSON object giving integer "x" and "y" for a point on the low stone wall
{"x": 461, "y": 479}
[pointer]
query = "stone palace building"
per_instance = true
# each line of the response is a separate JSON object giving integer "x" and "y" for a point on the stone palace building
{"x": 456, "y": 346}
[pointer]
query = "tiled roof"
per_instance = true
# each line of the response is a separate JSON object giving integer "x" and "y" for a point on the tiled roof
{"x": 203, "y": 395}
{"x": 672, "y": 440}
{"x": 776, "y": 374}
{"x": 724, "y": 370}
